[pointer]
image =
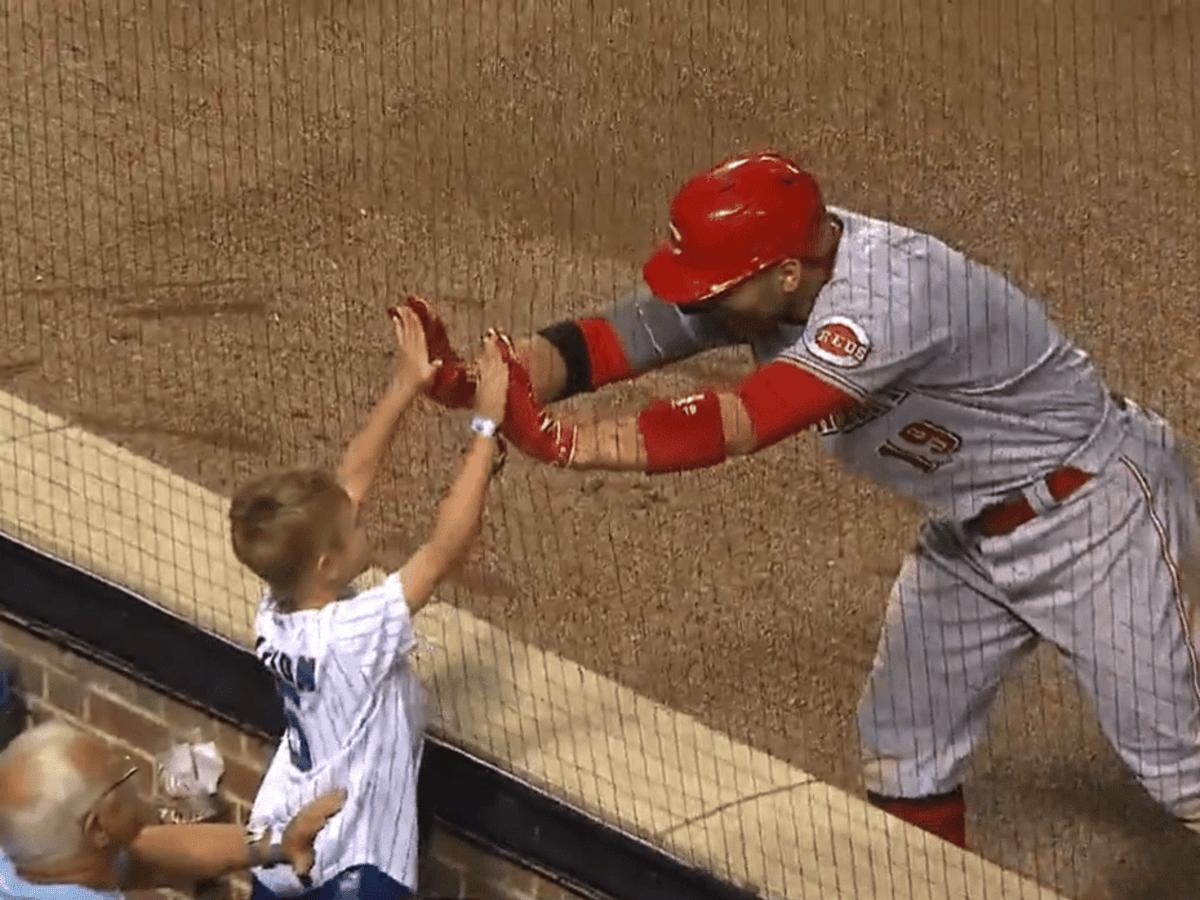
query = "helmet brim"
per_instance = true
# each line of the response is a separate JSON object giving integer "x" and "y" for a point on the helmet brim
{"x": 670, "y": 278}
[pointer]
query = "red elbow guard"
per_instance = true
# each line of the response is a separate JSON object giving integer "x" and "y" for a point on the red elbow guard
{"x": 686, "y": 433}
{"x": 606, "y": 356}
{"x": 782, "y": 399}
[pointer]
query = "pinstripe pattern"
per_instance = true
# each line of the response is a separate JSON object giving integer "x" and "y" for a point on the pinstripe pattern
{"x": 958, "y": 360}
{"x": 952, "y": 344}
{"x": 1164, "y": 544}
{"x": 359, "y": 725}
{"x": 1098, "y": 577}
{"x": 967, "y": 396}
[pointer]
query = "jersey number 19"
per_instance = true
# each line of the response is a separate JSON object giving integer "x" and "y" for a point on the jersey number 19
{"x": 923, "y": 445}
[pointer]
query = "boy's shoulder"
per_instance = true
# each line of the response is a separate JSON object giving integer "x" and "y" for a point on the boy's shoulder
{"x": 385, "y": 598}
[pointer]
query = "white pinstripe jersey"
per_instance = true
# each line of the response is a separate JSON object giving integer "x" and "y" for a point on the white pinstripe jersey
{"x": 967, "y": 392}
{"x": 356, "y": 719}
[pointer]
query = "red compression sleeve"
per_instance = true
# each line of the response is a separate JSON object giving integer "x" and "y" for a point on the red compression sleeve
{"x": 783, "y": 399}
{"x": 606, "y": 356}
{"x": 685, "y": 433}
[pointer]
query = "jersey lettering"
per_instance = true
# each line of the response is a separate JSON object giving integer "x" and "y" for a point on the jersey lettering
{"x": 840, "y": 341}
{"x": 926, "y": 434}
{"x": 301, "y": 675}
{"x": 869, "y": 410}
{"x": 290, "y": 680}
{"x": 976, "y": 355}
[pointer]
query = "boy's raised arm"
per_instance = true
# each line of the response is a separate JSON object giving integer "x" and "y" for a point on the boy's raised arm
{"x": 365, "y": 452}
{"x": 460, "y": 514}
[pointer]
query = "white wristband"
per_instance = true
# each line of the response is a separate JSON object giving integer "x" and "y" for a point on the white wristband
{"x": 483, "y": 426}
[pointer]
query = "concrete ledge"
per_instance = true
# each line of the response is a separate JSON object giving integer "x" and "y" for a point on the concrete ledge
{"x": 741, "y": 814}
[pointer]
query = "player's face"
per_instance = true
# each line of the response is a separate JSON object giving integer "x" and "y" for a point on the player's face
{"x": 756, "y": 306}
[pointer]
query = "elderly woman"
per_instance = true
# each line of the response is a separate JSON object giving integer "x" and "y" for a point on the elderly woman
{"x": 69, "y": 814}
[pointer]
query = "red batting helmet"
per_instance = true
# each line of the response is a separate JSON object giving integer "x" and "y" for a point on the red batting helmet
{"x": 733, "y": 221}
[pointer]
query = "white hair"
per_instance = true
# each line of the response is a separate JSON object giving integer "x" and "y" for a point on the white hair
{"x": 47, "y": 829}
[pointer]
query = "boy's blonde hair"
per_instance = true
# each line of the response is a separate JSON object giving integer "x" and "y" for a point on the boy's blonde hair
{"x": 282, "y": 521}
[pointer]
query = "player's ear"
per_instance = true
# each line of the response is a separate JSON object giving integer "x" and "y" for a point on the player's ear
{"x": 790, "y": 274}
{"x": 326, "y": 566}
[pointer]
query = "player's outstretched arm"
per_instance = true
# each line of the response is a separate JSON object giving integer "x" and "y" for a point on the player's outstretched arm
{"x": 702, "y": 429}
{"x": 460, "y": 515}
{"x": 177, "y": 855}
{"x": 414, "y": 370}
{"x": 637, "y": 335}
{"x": 557, "y": 368}
{"x": 581, "y": 355}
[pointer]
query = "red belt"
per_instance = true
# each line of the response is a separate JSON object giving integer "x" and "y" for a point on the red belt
{"x": 1004, "y": 518}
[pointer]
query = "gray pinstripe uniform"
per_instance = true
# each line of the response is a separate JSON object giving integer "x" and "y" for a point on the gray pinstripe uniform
{"x": 968, "y": 396}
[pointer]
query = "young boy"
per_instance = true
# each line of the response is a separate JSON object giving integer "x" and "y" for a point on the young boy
{"x": 353, "y": 706}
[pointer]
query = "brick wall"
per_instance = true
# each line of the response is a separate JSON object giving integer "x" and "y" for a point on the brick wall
{"x": 142, "y": 721}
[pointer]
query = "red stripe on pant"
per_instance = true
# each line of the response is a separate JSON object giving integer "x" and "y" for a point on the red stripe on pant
{"x": 941, "y": 814}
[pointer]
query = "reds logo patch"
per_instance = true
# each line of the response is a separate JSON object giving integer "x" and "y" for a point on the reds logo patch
{"x": 840, "y": 341}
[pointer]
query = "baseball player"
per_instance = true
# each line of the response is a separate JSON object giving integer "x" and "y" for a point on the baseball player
{"x": 1058, "y": 511}
{"x": 353, "y": 706}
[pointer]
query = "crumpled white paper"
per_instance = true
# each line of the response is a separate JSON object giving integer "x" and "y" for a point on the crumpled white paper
{"x": 191, "y": 770}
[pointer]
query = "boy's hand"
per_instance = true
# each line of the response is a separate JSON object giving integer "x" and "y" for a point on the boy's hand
{"x": 413, "y": 364}
{"x": 453, "y": 385}
{"x": 491, "y": 392}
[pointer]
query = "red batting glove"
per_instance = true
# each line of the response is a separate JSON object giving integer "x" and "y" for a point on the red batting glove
{"x": 527, "y": 424}
{"x": 454, "y": 384}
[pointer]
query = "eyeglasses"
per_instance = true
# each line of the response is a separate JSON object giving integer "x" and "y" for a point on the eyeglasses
{"x": 128, "y": 768}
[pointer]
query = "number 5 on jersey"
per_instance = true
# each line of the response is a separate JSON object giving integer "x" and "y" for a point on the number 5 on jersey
{"x": 923, "y": 445}
{"x": 290, "y": 679}
{"x": 297, "y": 743}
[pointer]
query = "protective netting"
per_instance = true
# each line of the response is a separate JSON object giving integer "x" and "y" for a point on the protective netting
{"x": 205, "y": 208}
